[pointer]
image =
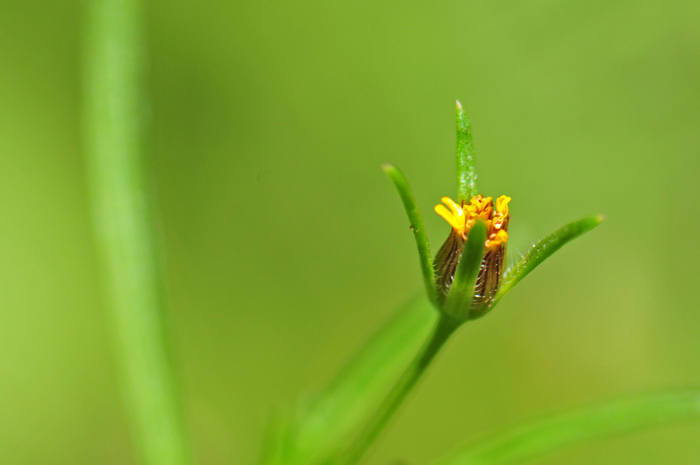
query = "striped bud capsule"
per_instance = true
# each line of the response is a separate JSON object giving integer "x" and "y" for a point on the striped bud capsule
{"x": 462, "y": 218}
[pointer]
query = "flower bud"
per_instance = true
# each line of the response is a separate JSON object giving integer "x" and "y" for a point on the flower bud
{"x": 462, "y": 218}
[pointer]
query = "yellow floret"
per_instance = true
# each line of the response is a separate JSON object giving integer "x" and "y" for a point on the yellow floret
{"x": 502, "y": 205}
{"x": 463, "y": 217}
{"x": 496, "y": 239}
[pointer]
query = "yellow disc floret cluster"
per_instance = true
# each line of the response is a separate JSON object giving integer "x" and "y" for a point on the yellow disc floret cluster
{"x": 462, "y": 217}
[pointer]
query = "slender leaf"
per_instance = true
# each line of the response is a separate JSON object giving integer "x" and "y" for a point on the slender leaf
{"x": 466, "y": 173}
{"x": 557, "y": 432}
{"x": 323, "y": 424}
{"x": 416, "y": 221}
{"x": 543, "y": 250}
{"x": 116, "y": 125}
{"x": 461, "y": 294}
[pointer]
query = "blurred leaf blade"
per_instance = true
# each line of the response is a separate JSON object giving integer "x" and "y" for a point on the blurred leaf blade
{"x": 116, "y": 130}
{"x": 557, "y": 432}
{"x": 543, "y": 250}
{"x": 326, "y": 422}
{"x": 466, "y": 171}
{"x": 417, "y": 226}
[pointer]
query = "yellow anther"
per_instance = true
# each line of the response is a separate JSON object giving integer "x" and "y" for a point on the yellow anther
{"x": 496, "y": 239}
{"x": 498, "y": 221}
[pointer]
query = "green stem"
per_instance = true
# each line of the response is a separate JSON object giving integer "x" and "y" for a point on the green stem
{"x": 444, "y": 328}
{"x": 115, "y": 135}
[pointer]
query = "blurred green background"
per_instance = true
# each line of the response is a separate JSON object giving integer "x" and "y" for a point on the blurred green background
{"x": 287, "y": 246}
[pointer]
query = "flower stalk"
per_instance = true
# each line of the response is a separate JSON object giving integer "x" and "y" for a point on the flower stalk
{"x": 443, "y": 329}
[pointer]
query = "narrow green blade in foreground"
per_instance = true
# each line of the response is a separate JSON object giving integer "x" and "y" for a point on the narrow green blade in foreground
{"x": 322, "y": 426}
{"x": 115, "y": 134}
{"x": 578, "y": 427}
{"x": 461, "y": 295}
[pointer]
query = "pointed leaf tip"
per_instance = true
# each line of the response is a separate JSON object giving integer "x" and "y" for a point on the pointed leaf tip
{"x": 466, "y": 173}
{"x": 416, "y": 221}
{"x": 543, "y": 250}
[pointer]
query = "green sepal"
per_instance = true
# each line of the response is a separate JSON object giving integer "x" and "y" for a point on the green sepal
{"x": 466, "y": 173}
{"x": 416, "y": 221}
{"x": 461, "y": 295}
{"x": 543, "y": 250}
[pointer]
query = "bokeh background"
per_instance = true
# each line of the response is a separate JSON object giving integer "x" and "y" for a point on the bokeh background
{"x": 287, "y": 246}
